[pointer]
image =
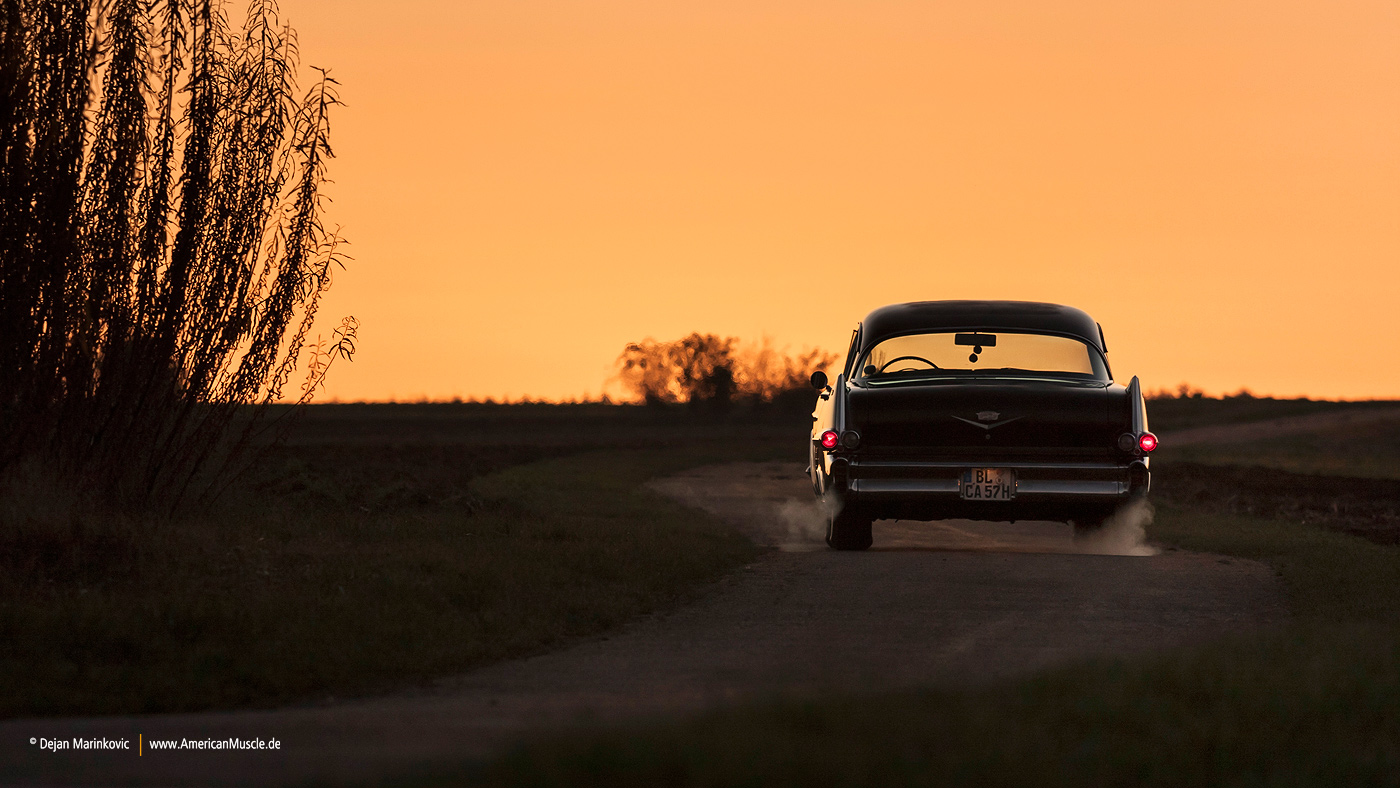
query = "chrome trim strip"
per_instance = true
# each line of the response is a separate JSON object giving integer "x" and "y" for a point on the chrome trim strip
{"x": 1023, "y": 487}
{"x": 964, "y": 464}
{"x": 988, "y": 427}
{"x": 1138, "y": 406}
{"x": 838, "y": 416}
{"x": 1048, "y": 487}
{"x": 904, "y": 485}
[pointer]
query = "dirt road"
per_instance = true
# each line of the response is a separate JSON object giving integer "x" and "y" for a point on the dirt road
{"x": 953, "y": 605}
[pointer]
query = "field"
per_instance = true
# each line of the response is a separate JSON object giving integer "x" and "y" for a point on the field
{"x": 384, "y": 547}
{"x": 1367, "y": 449}
{"x": 1174, "y": 414}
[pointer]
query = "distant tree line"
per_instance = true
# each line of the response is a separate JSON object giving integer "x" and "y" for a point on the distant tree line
{"x": 162, "y": 252}
{"x": 1187, "y": 391}
{"x": 705, "y": 368}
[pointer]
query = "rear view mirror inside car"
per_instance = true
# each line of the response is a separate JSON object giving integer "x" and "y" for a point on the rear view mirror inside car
{"x": 985, "y": 340}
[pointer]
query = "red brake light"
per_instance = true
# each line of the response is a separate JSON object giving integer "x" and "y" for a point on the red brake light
{"x": 1147, "y": 441}
{"x": 829, "y": 439}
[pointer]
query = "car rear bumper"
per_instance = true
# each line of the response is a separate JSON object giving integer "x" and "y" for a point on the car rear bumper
{"x": 1044, "y": 490}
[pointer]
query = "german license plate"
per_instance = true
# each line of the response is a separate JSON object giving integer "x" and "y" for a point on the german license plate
{"x": 988, "y": 484}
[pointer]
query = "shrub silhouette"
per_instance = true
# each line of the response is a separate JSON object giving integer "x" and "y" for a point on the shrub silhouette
{"x": 161, "y": 247}
{"x": 708, "y": 368}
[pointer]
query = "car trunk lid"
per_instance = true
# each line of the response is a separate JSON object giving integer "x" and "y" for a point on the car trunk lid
{"x": 997, "y": 420}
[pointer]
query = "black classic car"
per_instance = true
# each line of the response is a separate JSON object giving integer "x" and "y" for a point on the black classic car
{"x": 982, "y": 410}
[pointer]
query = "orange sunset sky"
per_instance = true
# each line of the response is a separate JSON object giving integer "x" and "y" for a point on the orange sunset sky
{"x": 530, "y": 185}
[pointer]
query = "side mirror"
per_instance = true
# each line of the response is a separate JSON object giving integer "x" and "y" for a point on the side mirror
{"x": 819, "y": 380}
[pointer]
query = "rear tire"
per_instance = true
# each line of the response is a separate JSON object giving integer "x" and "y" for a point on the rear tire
{"x": 849, "y": 530}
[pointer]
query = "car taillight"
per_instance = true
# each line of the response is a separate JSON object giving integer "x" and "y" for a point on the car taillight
{"x": 829, "y": 439}
{"x": 1147, "y": 441}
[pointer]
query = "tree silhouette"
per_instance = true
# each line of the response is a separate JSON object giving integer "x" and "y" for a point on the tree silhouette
{"x": 708, "y": 368}
{"x": 161, "y": 247}
{"x": 680, "y": 371}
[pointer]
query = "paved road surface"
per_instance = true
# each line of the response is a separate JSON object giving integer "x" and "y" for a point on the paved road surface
{"x": 952, "y": 605}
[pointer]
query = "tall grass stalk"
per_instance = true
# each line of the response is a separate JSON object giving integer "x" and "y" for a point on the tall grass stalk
{"x": 162, "y": 252}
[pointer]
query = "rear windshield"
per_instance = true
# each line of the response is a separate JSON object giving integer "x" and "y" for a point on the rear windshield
{"x": 980, "y": 354}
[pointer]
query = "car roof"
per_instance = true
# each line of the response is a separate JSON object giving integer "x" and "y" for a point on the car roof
{"x": 988, "y": 316}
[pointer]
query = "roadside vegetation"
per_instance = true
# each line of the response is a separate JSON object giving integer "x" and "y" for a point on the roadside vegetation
{"x": 1367, "y": 448}
{"x": 376, "y": 547}
{"x": 1312, "y": 703}
{"x": 162, "y": 248}
{"x": 1188, "y": 408}
{"x": 348, "y": 563}
{"x": 709, "y": 370}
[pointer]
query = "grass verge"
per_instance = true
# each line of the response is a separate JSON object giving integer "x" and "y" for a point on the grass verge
{"x": 267, "y": 601}
{"x": 1314, "y": 703}
{"x": 1368, "y": 449}
{"x": 1178, "y": 413}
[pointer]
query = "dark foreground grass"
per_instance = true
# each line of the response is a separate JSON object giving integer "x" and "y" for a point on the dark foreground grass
{"x": 1247, "y": 713}
{"x": 1367, "y": 449}
{"x": 1330, "y": 577}
{"x": 1169, "y": 414}
{"x": 1313, "y": 703}
{"x": 1365, "y": 507}
{"x": 352, "y": 579}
